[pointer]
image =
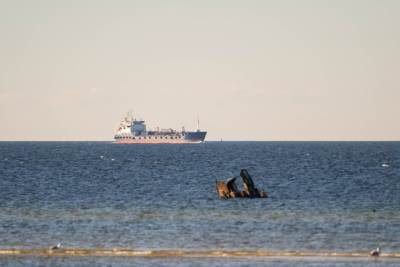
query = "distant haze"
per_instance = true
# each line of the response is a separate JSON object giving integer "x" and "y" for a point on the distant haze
{"x": 250, "y": 70}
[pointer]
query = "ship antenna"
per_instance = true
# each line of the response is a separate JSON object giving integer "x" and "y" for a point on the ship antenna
{"x": 130, "y": 115}
{"x": 198, "y": 124}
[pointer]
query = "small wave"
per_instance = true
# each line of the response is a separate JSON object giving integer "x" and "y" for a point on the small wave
{"x": 385, "y": 165}
{"x": 122, "y": 252}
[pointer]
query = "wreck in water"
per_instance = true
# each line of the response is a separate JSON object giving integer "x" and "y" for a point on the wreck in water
{"x": 229, "y": 188}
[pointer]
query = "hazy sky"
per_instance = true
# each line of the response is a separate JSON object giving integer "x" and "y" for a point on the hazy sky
{"x": 251, "y": 70}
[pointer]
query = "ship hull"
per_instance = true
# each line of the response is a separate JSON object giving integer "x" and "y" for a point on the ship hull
{"x": 130, "y": 141}
{"x": 188, "y": 138}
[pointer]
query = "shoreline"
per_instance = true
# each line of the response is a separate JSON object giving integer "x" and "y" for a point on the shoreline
{"x": 176, "y": 253}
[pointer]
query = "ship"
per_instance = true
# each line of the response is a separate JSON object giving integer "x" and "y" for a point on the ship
{"x": 133, "y": 131}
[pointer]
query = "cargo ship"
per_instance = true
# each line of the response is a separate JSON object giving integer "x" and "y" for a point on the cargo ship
{"x": 133, "y": 131}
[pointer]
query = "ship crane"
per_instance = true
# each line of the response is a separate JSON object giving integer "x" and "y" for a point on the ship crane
{"x": 198, "y": 124}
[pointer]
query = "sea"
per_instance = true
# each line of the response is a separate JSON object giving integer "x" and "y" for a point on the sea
{"x": 329, "y": 204}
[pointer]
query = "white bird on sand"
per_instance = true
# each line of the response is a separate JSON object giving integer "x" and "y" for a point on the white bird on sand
{"x": 375, "y": 252}
{"x": 58, "y": 246}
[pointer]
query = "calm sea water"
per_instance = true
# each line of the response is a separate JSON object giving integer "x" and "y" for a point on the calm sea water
{"x": 324, "y": 196}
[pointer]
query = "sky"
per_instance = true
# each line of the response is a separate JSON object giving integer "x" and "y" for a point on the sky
{"x": 249, "y": 70}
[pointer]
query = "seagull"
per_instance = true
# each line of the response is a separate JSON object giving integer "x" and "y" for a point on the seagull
{"x": 58, "y": 246}
{"x": 375, "y": 252}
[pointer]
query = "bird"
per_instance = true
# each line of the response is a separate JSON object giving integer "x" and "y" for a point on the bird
{"x": 375, "y": 252}
{"x": 58, "y": 246}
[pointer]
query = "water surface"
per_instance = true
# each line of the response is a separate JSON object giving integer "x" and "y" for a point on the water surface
{"x": 324, "y": 196}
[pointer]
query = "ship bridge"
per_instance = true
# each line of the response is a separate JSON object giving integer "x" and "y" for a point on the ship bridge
{"x": 138, "y": 127}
